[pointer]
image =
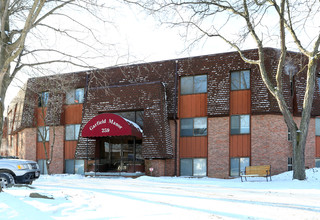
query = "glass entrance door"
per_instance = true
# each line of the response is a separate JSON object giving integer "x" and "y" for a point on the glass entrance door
{"x": 120, "y": 154}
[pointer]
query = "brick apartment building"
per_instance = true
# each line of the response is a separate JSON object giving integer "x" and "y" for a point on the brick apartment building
{"x": 199, "y": 116}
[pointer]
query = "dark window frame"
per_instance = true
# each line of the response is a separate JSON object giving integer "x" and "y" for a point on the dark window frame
{"x": 42, "y": 129}
{"x": 239, "y": 85}
{"x": 194, "y": 85}
{"x": 232, "y": 132}
{"x": 192, "y": 159}
{"x": 75, "y": 136}
{"x": 71, "y": 96}
{"x": 239, "y": 165}
{"x": 43, "y": 99}
{"x": 194, "y": 134}
{"x": 317, "y": 126}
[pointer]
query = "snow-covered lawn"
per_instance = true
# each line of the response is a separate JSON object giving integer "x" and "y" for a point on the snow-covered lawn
{"x": 78, "y": 197}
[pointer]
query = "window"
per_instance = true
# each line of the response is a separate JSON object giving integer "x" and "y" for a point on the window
{"x": 193, "y": 127}
{"x": 72, "y": 132}
{"x": 43, "y": 99}
{"x": 240, "y": 124}
{"x": 290, "y": 162}
{"x": 43, "y": 134}
{"x": 318, "y": 126}
{"x": 238, "y": 165}
{"x": 240, "y": 80}
{"x": 317, "y": 162}
{"x": 74, "y": 166}
{"x": 289, "y": 135}
{"x": 75, "y": 96}
{"x": 193, "y": 167}
{"x": 318, "y": 79}
{"x": 134, "y": 116}
{"x": 193, "y": 84}
{"x": 42, "y": 166}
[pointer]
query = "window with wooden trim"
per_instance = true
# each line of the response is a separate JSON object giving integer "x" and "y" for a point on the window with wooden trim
{"x": 193, "y": 167}
{"x": 317, "y": 126}
{"x": 240, "y": 80}
{"x": 72, "y": 132}
{"x": 238, "y": 165}
{"x": 193, "y": 84}
{"x": 43, "y": 133}
{"x": 240, "y": 124}
{"x": 193, "y": 127}
{"x": 43, "y": 99}
{"x": 75, "y": 96}
{"x": 318, "y": 162}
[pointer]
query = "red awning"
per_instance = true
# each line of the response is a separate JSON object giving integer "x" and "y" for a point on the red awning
{"x": 107, "y": 124}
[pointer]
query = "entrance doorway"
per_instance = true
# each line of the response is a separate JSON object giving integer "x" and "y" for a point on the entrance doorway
{"x": 119, "y": 154}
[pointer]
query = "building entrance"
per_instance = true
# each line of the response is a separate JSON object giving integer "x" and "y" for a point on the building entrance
{"x": 119, "y": 154}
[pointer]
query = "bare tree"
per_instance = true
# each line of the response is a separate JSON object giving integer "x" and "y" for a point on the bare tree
{"x": 24, "y": 26}
{"x": 51, "y": 92}
{"x": 262, "y": 23}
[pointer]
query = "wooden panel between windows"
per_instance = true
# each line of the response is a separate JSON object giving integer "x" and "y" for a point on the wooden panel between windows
{"x": 317, "y": 146}
{"x": 41, "y": 152}
{"x": 193, "y": 105}
{"x": 41, "y": 114}
{"x": 70, "y": 149}
{"x": 240, "y": 102}
{"x": 240, "y": 145}
{"x": 72, "y": 114}
{"x": 194, "y": 146}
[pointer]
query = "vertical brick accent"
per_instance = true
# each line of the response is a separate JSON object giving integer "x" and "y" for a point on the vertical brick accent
{"x": 57, "y": 163}
{"x": 218, "y": 147}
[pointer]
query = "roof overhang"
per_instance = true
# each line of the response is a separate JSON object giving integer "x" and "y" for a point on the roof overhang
{"x": 108, "y": 125}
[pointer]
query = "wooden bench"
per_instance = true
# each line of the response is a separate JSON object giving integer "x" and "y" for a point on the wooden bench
{"x": 257, "y": 171}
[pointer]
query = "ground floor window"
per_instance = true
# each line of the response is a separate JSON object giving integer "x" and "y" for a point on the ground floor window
{"x": 238, "y": 165}
{"x": 290, "y": 162}
{"x": 74, "y": 166}
{"x": 193, "y": 167}
{"x": 317, "y": 162}
{"x": 42, "y": 166}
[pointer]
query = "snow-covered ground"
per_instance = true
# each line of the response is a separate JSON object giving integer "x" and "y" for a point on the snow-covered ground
{"x": 78, "y": 197}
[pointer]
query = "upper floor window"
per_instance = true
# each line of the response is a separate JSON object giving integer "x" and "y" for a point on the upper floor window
{"x": 240, "y": 124}
{"x": 240, "y": 80}
{"x": 43, "y": 134}
{"x": 134, "y": 116}
{"x": 43, "y": 99}
{"x": 193, "y": 127}
{"x": 318, "y": 126}
{"x": 318, "y": 83}
{"x": 75, "y": 96}
{"x": 72, "y": 132}
{"x": 193, "y": 84}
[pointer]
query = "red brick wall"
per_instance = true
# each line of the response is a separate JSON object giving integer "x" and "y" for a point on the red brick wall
{"x": 57, "y": 164}
{"x": 269, "y": 143}
{"x": 218, "y": 147}
{"x": 29, "y": 144}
